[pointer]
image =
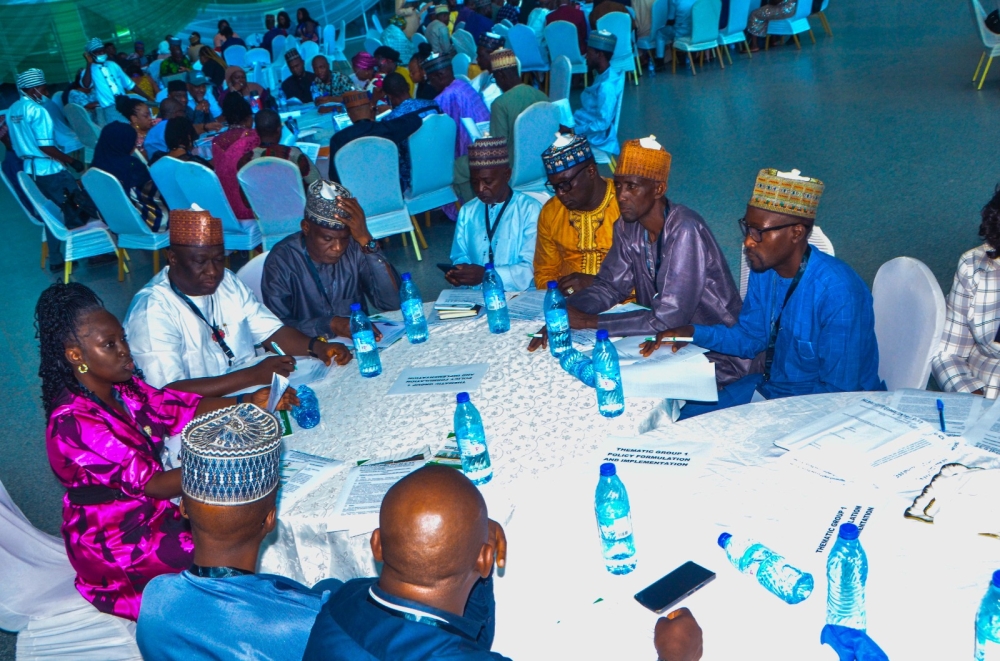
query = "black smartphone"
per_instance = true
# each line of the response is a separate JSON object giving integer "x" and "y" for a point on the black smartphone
{"x": 293, "y": 125}
{"x": 672, "y": 588}
{"x": 446, "y": 267}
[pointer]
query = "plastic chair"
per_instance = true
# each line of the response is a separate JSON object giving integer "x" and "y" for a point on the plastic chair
{"x": 252, "y": 273}
{"x": 30, "y": 213}
{"x": 88, "y": 241}
{"x": 460, "y": 65}
{"x": 704, "y": 33}
{"x": 122, "y": 218}
{"x": 735, "y": 31}
{"x": 417, "y": 39}
{"x": 909, "y": 319}
{"x": 86, "y": 130}
{"x": 991, "y": 42}
{"x": 371, "y": 44}
{"x": 164, "y": 174}
{"x": 525, "y": 46}
{"x": 561, "y": 39}
{"x": 235, "y": 56}
{"x": 464, "y": 43}
{"x": 501, "y": 30}
{"x": 561, "y": 78}
{"x": 255, "y": 55}
{"x": 273, "y": 187}
{"x": 822, "y": 17}
{"x": 308, "y": 50}
{"x": 376, "y": 186}
{"x": 328, "y": 38}
{"x": 341, "y": 40}
{"x": 817, "y": 239}
{"x": 793, "y": 26}
{"x": 202, "y": 187}
{"x": 624, "y": 58}
{"x": 533, "y": 131}
{"x": 507, "y": 23}
{"x": 278, "y": 47}
{"x": 432, "y": 161}
{"x": 41, "y": 604}
{"x": 376, "y": 24}
{"x": 658, "y": 21}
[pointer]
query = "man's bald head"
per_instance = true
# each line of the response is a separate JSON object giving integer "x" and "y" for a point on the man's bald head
{"x": 171, "y": 108}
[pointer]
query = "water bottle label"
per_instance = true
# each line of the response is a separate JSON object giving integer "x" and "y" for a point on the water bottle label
{"x": 413, "y": 311}
{"x": 616, "y": 529}
{"x": 472, "y": 449}
{"x": 364, "y": 342}
{"x": 606, "y": 383}
{"x": 557, "y": 321}
{"x": 495, "y": 302}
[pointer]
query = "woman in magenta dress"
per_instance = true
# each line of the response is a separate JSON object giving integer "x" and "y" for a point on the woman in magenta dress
{"x": 104, "y": 439}
{"x": 229, "y": 147}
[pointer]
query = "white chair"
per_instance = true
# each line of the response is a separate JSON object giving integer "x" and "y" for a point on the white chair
{"x": 735, "y": 30}
{"x": 202, "y": 187}
{"x": 991, "y": 42}
{"x": 432, "y": 161}
{"x": 624, "y": 58}
{"x": 822, "y": 17}
{"x": 533, "y": 132}
{"x": 501, "y": 30}
{"x": 308, "y": 50}
{"x": 86, "y": 130}
{"x": 252, "y": 273}
{"x": 255, "y": 55}
{"x": 122, "y": 218}
{"x": 91, "y": 240}
{"x": 417, "y": 39}
{"x": 657, "y": 22}
{"x": 909, "y": 319}
{"x": 376, "y": 186}
{"x": 235, "y": 56}
{"x": 371, "y": 44}
{"x": 540, "y": 195}
{"x": 164, "y": 174}
{"x": 328, "y": 38}
{"x": 704, "y": 33}
{"x": 561, "y": 78}
{"x": 40, "y": 603}
{"x": 341, "y": 41}
{"x": 793, "y": 26}
{"x": 464, "y": 43}
{"x": 254, "y": 40}
{"x": 376, "y": 24}
{"x": 460, "y": 65}
{"x": 507, "y": 23}
{"x": 817, "y": 240}
{"x": 561, "y": 39}
{"x": 278, "y": 47}
{"x": 273, "y": 187}
{"x": 522, "y": 41}
{"x": 30, "y": 213}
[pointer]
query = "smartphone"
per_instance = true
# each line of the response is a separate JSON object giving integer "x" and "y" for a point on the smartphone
{"x": 293, "y": 125}
{"x": 446, "y": 267}
{"x": 672, "y": 588}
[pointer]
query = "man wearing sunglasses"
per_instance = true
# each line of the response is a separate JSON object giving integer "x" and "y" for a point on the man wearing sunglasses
{"x": 806, "y": 314}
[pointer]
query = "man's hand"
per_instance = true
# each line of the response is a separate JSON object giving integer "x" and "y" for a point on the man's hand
{"x": 202, "y": 106}
{"x": 341, "y": 327}
{"x": 356, "y": 221}
{"x": 498, "y": 540}
{"x": 334, "y": 351}
{"x": 574, "y": 282}
{"x": 579, "y": 319}
{"x": 264, "y": 370}
{"x": 539, "y": 342}
{"x": 465, "y": 274}
{"x": 287, "y": 401}
{"x": 677, "y": 637}
{"x": 87, "y": 56}
{"x": 76, "y": 164}
{"x": 648, "y": 348}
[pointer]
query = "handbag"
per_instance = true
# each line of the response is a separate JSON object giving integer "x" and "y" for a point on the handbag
{"x": 78, "y": 208}
{"x": 993, "y": 21}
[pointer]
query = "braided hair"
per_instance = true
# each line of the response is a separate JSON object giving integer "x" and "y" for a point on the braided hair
{"x": 989, "y": 229}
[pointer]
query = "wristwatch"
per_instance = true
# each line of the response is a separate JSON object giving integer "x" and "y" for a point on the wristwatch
{"x": 370, "y": 247}
{"x": 312, "y": 342}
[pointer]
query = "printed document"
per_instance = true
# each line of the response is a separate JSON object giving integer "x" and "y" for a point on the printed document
{"x": 360, "y": 500}
{"x": 300, "y": 474}
{"x": 447, "y": 378}
{"x": 866, "y": 424}
{"x": 961, "y": 410}
{"x": 690, "y": 379}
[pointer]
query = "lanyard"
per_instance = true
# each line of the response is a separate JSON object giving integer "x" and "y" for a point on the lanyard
{"x": 490, "y": 231}
{"x": 319, "y": 283}
{"x": 413, "y": 615}
{"x": 776, "y": 324}
{"x": 218, "y": 572}
{"x": 217, "y": 333}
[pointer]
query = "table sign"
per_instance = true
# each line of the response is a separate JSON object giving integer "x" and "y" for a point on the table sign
{"x": 447, "y": 378}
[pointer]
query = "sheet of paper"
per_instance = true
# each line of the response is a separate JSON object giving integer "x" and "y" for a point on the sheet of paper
{"x": 866, "y": 424}
{"x": 961, "y": 410}
{"x": 445, "y": 378}
{"x": 360, "y": 500}
{"x": 527, "y": 305}
{"x": 278, "y": 386}
{"x": 628, "y": 350}
{"x": 300, "y": 474}
{"x": 459, "y": 298}
{"x": 985, "y": 432}
{"x": 476, "y": 130}
{"x": 310, "y": 149}
{"x": 640, "y": 451}
{"x": 692, "y": 379}
{"x": 625, "y": 307}
{"x": 584, "y": 339}
{"x": 308, "y": 370}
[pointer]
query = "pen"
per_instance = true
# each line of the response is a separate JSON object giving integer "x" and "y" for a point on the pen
{"x": 671, "y": 339}
{"x": 277, "y": 350}
{"x": 535, "y": 335}
{"x": 940, "y": 406}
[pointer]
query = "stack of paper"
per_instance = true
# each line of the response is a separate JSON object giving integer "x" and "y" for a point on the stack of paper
{"x": 361, "y": 498}
{"x": 458, "y": 303}
{"x": 527, "y": 305}
{"x": 301, "y": 473}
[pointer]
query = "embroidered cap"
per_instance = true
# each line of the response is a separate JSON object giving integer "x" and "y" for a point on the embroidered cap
{"x": 602, "y": 40}
{"x": 321, "y": 204}
{"x": 503, "y": 58}
{"x": 194, "y": 227}
{"x": 30, "y": 78}
{"x": 292, "y": 55}
{"x": 94, "y": 45}
{"x": 644, "y": 158}
{"x": 355, "y": 99}
{"x": 231, "y": 456}
{"x": 489, "y": 153}
{"x": 787, "y": 192}
{"x": 490, "y": 41}
{"x": 566, "y": 152}
{"x": 436, "y": 62}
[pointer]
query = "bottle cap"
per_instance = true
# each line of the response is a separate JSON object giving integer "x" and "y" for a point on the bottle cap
{"x": 488, "y": 265}
{"x": 607, "y": 470}
{"x": 996, "y": 579}
{"x": 462, "y": 397}
{"x": 355, "y": 307}
{"x": 552, "y": 284}
{"x": 848, "y": 531}
{"x": 602, "y": 334}
{"x": 724, "y": 539}
{"x": 405, "y": 276}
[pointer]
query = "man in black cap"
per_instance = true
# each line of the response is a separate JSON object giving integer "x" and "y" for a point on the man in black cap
{"x": 299, "y": 84}
{"x": 359, "y": 109}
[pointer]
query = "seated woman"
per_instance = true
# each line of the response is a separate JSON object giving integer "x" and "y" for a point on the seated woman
{"x": 254, "y": 94}
{"x": 84, "y": 97}
{"x": 220, "y": 38}
{"x": 180, "y": 137}
{"x": 142, "y": 79}
{"x": 230, "y": 146}
{"x": 114, "y": 155}
{"x": 137, "y": 114}
{"x": 213, "y": 66}
{"x": 968, "y": 359}
{"x": 104, "y": 437}
{"x": 307, "y": 29}
{"x": 425, "y": 90}
{"x": 365, "y": 77}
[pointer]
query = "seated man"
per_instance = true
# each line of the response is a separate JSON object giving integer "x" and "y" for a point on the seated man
{"x": 312, "y": 277}
{"x": 477, "y": 16}
{"x": 177, "y": 62}
{"x": 438, "y": 35}
{"x": 809, "y": 312}
{"x": 267, "y": 123}
{"x": 434, "y": 599}
{"x": 205, "y": 110}
{"x": 665, "y": 253}
{"x": 595, "y": 120}
{"x": 497, "y": 226}
{"x": 397, "y": 92}
{"x": 268, "y": 614}
{"x": 156, "y": 140}
{"x": 484, "y": 82}
{"x": 359, "y": 109}
{"x": 328, "y": 85}
{"x": 299, "y": 84}
{"x": 456, "y": 98}
{"x": 576, "y": 226}
{"x": 195, "y": 325}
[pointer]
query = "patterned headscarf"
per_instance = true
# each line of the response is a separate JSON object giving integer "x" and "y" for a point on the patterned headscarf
{"x": 363, "y": 60}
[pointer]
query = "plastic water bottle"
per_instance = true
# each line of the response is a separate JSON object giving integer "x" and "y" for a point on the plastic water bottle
{"x": 306, "y": 414}
{"x": 770, "y": 569}
{"x": 610, "y": 397}
{"x": 471, "y": 438}
{"x": 846, "y": 575}
{"x": 988, "y": 623}
{"x": 413, "y": 311}
{"x": 365, "y": 348}
{"x": 557, "y": 320}
{"x": 578, "y": 365}
{"x": 614, "y": 521}
{"x": 495, "y": 301}
{"x": 282, "y": 100}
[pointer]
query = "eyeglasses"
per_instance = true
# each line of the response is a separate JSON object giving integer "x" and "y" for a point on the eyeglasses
{"x": 564, "y": 186}
{"x": 758, "y": 234}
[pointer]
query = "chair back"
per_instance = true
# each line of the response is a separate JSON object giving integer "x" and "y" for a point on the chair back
{"x": 329, "y": 37}
{"x": 259, "y": 74}
{"x": 705, "y": 20}
{"x": 308, "y": 50}
{"x": 79, "y": 120}
{"x": 817, "y": 239}
{"x": 278, "y": 47}
{"x": 561, "y": 78}
{"x": 660, "y": 13}
{"x": 525, "y": 46}
{"x": 202, "y": 187}
{"x": 117, "y": 210}
{"x": 273, "y": 187}
{"x": 165, "y": 173}
{"x": 739, "y": 14}
{"x": 619, "y": 24}
{"x": 507, "y": 23}
{"x": 909, "y": 319}
{"x": 375, "y": 186}
{"x": 252, "y": 273}
{"x": 235, "y": 56}
{"x": 533, "y": 132}
{"x": 47, "y": 210}
{"x": 376, "y": 24}
{"x": 464, "y": 43}
{"x": 371, "y": 43}
{"x": 341, "y": 36}
{"x": 460, "y": 65}
{"x": 29, "y": 210}
{"x": 255, "y": 55}
{"x": 561, "y": 39}
{"x": 417, "y": 39}
{"x": 432, "y": 155}
{"x": 501, "y": 30}
{"x": 988, "y": 38}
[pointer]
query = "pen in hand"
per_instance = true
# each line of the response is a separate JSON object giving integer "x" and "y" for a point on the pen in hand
{"x": 277, "y": 350}
{"x": 940, "y": 407}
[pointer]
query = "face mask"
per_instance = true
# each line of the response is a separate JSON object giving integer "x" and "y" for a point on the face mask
{"x": 101, "y": 59}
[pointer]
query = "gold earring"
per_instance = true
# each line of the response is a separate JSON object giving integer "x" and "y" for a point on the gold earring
{"x": 82, "y": 369}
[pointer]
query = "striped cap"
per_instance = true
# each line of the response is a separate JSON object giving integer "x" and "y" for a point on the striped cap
{"x": 94, "y": 44}
{"x": 602, "y": 40}
{"x": 194, "y": 227}
{"x": 30, "y": 78}
{"x": 503, "y": 58}
{"x": 436, "y": 62}
{"x": 489, "y": 153}
{"x": 644, "y": 158}
{"x": 787, "y": 192}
